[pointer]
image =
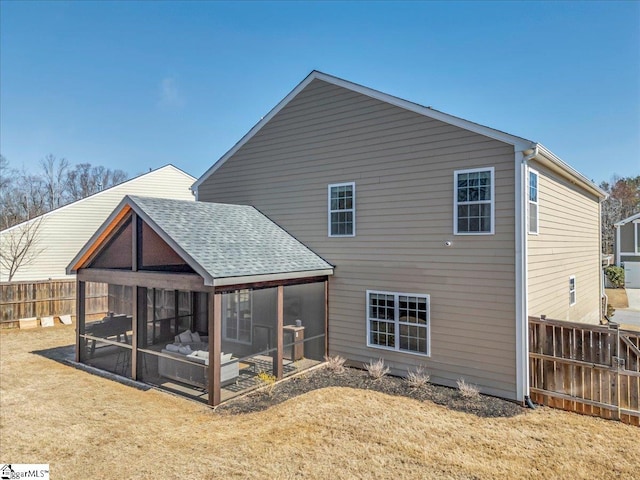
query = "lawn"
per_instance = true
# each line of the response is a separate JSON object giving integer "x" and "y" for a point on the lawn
{"x": 617, "y": 297}
{"x": 86, "y": 426}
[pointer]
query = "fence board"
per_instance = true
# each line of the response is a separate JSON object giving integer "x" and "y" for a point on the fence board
{"x": 47, "y": 298}
{"x": 587, "y": 369}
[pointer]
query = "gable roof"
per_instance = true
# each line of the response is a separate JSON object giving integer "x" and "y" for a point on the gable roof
{"x": 633, "y": 217}
{"x": 519, "y": 143}
{"x": 102, "y": 192}
{"x": 219, "y": 241}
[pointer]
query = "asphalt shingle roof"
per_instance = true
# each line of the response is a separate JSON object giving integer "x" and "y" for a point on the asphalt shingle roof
{"x": 228, "y": 240}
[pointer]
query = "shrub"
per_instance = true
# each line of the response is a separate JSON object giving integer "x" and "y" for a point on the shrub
{"x": 418, "y": 378}
{"x": 468, "y": 390}
{"x": 376, "y": 370}
{"x": 615, "y": 275}
{"x": 335, "y": 364}
{"x": 268, "y": 380}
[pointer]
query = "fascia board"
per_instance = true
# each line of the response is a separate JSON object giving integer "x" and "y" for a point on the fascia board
{"x": 518, "y": 142}
{"x": 570, "y": 172}
{"x": 632, "y": 218}
{"x": 70, "y": 270}
{"x": 256, "y": 128}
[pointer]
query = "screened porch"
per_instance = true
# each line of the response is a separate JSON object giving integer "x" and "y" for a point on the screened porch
{"x": 172, "y": 324}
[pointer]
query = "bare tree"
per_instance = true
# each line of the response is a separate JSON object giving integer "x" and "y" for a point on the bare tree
{"x": 8, "y": 213}
{"x": 55, "y": 171}
{"x": 19, "y": 248}
{"x": 623, "y": 201}
{"x": 85, "y": 180}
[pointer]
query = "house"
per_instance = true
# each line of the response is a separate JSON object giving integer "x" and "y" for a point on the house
{"x": 431, "y": 240}
{"x": 200, "y": 294}
{"x": 62, "y": 232}
{"x": 627, "y": 248}
{"x": 445, "y": 234}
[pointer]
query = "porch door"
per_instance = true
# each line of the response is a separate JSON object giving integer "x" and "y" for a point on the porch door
{"x": 236, "y": 316}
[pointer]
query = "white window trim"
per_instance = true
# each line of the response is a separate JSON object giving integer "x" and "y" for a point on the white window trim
{"x": 574, "y": 291}
{"x": 536, "y": 203}
{"x": 636, "y": 235}
{"x": 493, "y": 200}
{"x": 352, "y": 210}
{"x": 397, "y": 322}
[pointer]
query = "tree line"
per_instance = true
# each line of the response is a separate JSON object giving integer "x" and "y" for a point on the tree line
{"x": 623, "y": 201}
{"x": 25, "y": 195}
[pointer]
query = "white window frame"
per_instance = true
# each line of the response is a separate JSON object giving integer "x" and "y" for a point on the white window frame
{"x": 397, "y": 323}
{"x": 236, "y": 318}
{"x": 535, "y": 202}
{"x": 573, "y": 294}
{"x": 352, "y": 209}
{"x": 492, "y": 201}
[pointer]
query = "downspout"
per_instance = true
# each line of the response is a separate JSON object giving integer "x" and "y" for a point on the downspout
{"x": 618, "y": 245}
{"x": 522, "y": 287}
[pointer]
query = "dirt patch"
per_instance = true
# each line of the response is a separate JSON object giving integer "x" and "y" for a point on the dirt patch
{"x": 484, "y": 406}
{"x": 617, "y": 297}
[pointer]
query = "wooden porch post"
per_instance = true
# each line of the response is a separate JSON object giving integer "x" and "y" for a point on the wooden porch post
{"x": 135, "y": 294}
{"x": 277, "y": 366}
{"x": 80, "y": 314}
{"x": 214, "y": 313}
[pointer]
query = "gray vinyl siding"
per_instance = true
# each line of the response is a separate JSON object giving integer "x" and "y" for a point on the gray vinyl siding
{"x": 627, "y": 238}
{"x": 63, "y": 232}
{"x": 403, "y": 166}
{"x": 567, "y": 244}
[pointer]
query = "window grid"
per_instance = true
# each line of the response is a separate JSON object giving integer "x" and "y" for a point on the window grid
{"x": 398, "y": 321}
{"x": 342, "y": 210}
{"x": 572, "y": 290}
{"x": 533, "y": 202}
{"x": 381, "y": 314}
{"x": 473, "y": 199}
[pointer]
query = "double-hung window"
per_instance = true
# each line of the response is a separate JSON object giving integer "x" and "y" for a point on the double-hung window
{"x": 572, "y": 290}
{"x": 398, "y": 321}
{"x": 473, "y": 196}
{"x": 342, "y": 209}
{"x": 533, "y": 201}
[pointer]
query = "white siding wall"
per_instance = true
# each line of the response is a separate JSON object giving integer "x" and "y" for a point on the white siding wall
{"x": 64, "y": 231}
{"x": 568, "y": 244}
{"x": 402, "y": 164}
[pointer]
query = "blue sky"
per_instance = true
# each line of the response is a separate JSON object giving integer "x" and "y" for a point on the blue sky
{"x": 136, "y": 85}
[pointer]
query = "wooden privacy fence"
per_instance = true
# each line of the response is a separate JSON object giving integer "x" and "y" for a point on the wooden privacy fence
{"x": 50, "y": 297}
{"x": 585, "y": 368}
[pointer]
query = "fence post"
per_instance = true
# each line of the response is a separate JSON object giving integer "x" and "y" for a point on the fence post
{"x": 615, "y": 360}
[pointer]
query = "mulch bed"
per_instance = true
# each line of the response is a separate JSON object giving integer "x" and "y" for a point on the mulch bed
{"x": 484, "y": 406}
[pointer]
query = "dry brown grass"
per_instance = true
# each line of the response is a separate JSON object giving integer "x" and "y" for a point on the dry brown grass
{"x": 617, "y": 297}
{"x": 86, "y": 426}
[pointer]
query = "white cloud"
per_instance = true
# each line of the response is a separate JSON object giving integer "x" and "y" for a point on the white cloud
{"x": 170, "y": 96}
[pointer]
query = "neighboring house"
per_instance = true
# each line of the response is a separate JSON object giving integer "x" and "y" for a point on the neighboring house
{"x": 445, "y": 234}
{"x": 627, "y": 248}
{"x": 62, "y": 232}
